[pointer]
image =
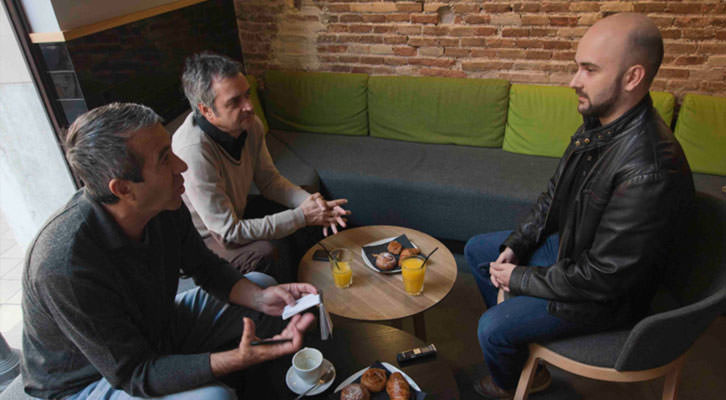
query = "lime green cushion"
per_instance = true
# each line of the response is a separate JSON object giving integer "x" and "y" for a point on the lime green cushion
{"x": 438, "y": 110}
{"x": 255, "y": 99}
{"x": 542, "y": 119}
{"x": 701, "y": 130}
{"x": 319, "y": 102}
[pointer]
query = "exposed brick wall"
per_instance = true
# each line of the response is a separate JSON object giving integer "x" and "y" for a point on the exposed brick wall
{"x": 524, "y": 42}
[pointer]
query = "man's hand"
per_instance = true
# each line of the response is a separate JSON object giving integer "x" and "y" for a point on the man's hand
{"x": 500, "y": 273}
{"x": 507, "y": 256}
{"x": 273, "y": 299}
{"x": 321, "y": 212}
{"x": 247, "y": 355}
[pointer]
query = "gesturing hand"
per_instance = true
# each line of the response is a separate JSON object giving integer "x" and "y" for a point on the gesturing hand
{"x": 321, "y": 212}
{"x": 273, "y": 299}
{"x": 251, "y": 355}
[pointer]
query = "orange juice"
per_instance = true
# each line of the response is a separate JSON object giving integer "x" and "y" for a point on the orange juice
{"x": 412, "y": 272}
{"x": 342, "y": 274}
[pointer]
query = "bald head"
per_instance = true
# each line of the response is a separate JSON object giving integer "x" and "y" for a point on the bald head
{"x": 636, "y": 37}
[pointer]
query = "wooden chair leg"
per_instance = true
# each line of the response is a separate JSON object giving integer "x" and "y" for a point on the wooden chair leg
{"x": 526, "y": 378}
{"x": 672, "y": 380}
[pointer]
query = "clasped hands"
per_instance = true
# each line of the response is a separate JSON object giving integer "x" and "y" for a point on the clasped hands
{"x": 501, "y": 270}
{"x": 321, "y": 212}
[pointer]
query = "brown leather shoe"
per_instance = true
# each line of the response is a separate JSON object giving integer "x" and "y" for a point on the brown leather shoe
{"x": 486, "y": 387}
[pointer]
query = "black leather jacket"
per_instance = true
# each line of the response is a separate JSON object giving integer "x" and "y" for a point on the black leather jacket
{"x": 619, "y": 228}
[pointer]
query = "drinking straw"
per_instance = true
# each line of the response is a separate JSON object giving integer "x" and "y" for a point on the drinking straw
{"x": 330, "y": 255}
{"x": 427, "y": 257}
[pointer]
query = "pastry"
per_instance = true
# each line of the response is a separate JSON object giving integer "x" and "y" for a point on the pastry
{"x": 408, "y": 253}
{"x": 354, "y": 391}
{"x": 374, "y": 379}
{"x": 397, "y": 387}
{"x": 385, "y": 261}
{"x": 394, "y": 247}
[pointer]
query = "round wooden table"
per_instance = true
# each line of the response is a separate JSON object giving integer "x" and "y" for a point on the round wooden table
{"x": 356, "y": 345}
{"x": 375, "y": 296}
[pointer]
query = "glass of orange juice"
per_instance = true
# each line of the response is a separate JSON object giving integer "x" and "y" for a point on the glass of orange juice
{"x": 413, "y": 271}
{"x": 340, "y": 267}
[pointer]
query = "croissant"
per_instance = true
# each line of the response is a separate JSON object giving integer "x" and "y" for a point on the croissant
{"x": 374, "y": 379}
{"x": 397, "y": 387}
{"x": 408, "y": 252}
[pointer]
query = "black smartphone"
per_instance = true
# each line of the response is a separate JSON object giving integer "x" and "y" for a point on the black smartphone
{"x": 320, "y": 255}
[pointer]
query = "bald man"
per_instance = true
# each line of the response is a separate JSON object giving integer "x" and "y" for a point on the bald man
{"x": 590, "y": 253}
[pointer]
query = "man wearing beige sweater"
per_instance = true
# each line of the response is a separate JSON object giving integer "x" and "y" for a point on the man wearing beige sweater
{"x": 223, "y": 143}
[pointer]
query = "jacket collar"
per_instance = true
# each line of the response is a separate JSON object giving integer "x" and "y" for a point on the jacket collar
{"x": 233, "y": 146}
{"x": 104, "y": 227}
{"x": 593, "y": 134}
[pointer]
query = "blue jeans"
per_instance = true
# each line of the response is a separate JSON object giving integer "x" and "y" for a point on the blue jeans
{"x": 202, "y": 323}
{"x": 505, "y": 330}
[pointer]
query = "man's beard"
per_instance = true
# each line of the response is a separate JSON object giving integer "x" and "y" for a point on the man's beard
{"x": 604, "y": 108}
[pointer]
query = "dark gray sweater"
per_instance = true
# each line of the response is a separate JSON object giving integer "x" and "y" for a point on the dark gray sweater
{"x": 96, "y": 303}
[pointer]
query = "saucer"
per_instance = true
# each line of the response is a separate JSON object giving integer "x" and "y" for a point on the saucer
{"x": 298, "y": 386}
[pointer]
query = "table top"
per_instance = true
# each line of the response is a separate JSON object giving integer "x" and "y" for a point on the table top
{"x": 357, "y": 345}
{"x": 375, "y": 296}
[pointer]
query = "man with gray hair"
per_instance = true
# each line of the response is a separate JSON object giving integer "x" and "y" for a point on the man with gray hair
{"x": 101, "y": 317}
{"x": 223, "y": 142}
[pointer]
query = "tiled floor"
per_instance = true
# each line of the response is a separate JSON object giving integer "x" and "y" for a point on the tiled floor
{"x": 11, "y": 266}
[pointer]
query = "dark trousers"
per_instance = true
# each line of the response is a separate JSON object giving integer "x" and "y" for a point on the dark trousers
{"x": 506, "y": 329}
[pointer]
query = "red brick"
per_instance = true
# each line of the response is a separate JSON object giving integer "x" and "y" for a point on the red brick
{"x": 360, "y": 28}
{"x": 557, "y": 44}
{"x": 351, "y": 18}
{"x": 477, "y": 19}
{"x": 349, "y": 59}
{"x": 670, "y": 33}
{"x": 563, "y": 21}
{"x": 672, "y": 73}
{"x": 690, "y": 60}
{"x": 421, "y": 42}
{"x": 404, "y": 51}
{"x": 337, "y": 28}
{"x": 485, "y": 65}
{"x": 649, "y": 7}
{"x": 484, "y": 53}
{"x": 497, "y": 7}
{"x": 719, "y": 21}
{"x": 473, "y": 42}
{"x": 373, "y": 18}
{"x": 585, "y": 6}
{"x": 432, "y": 62}
{"x": 395, "y": 39}
{"x": 534, "y": 20}
{"x": 698, "y": 34}
{"x": 515, "y": 32}
{"x": 712, "y": 48}
{"x": 384, "y": 29}
{"x": 327, "y": 38}
{"x": 691, "y": 21}
{"x": 500, "y": 42}
{"x": 442, "y": 72}
{"x": 539, "y": 55}
{"x": 721, "y": 34}
{"x": 398, "y": 17}
{"x": 408, "y": 30}
{"x": 564, "y": 56}
{"x": 396, "y": 61}
{"x": 530, "y": 43}
{"x": 511, "y": 53}
{"x": 436, "y": 30}
{"x": 409, "y": 7}
{"x": 328, "y": 59}
{"x": 371, "y": 60}
{"x": 488, "y": 31}
{"x": 526, "y": 7}
{"x": 338, "y": 8}
{"x": 332, "y": 49}
{"x": 714, "y": 87}
{"x": 463, "y": 31}
{"x": 456, "y": 52}
{"x": 425, "y": 19}
{"x": 680, "y": 48}
{"x": 714, "y": 8}
{"x": 333, "y": 18}
{"x": 555, "y": 7}
{"x": 681, "y": 8}
{"x": 466, "y": 8}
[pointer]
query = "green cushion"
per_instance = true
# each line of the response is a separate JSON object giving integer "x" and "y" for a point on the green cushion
{"x": 701, "y": 130}
{"x": 438, "y": 110}
{"x": 665, "y": 104}
{"x": 318, "y": 102}
{"x": 542, "y": 119}
{"x": 255, "y": 99}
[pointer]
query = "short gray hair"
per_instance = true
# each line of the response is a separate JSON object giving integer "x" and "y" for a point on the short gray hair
{"x": 200, "y": 71}
{"x": 97, "y": 146}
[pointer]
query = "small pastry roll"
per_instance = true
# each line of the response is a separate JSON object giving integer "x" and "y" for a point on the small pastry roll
{"x": 355, "y": 391}
{"x": 374, "y": 379}
{"x": 397, "y": 387}
{"x": 385, "y": 261}
{"x": 394, "y": 247}
{"x": 408, "y": 252}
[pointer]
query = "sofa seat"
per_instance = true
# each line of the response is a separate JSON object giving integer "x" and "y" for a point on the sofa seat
{"x": 448, "y": 191}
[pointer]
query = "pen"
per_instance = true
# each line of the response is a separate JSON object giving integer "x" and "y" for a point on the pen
{"x": 271, "y": 341}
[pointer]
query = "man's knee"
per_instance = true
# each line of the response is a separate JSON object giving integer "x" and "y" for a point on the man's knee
{"x": 490, "y": 330}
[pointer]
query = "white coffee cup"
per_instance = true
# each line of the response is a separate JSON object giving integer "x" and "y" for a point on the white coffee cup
{"x": 307, "y": 364}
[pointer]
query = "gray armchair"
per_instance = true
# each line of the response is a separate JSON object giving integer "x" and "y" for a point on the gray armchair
{"x": 692, "y": 296}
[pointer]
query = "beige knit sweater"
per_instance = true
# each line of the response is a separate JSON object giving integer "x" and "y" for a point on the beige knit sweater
{"x": 217, "y": 186}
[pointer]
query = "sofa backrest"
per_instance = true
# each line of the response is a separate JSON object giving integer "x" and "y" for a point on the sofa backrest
{"x": 255, "y": 99}
{"x": 319, "y": 102}
{"x": 701, "y": 130}
{"x": 541, "y": 119}
{"x": 438, "y": 110}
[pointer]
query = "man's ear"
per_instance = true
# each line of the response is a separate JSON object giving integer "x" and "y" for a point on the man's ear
{"x": 206, "y": 112}
{"x": 122, "y": 189}
{"x": 633, "y": 77}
